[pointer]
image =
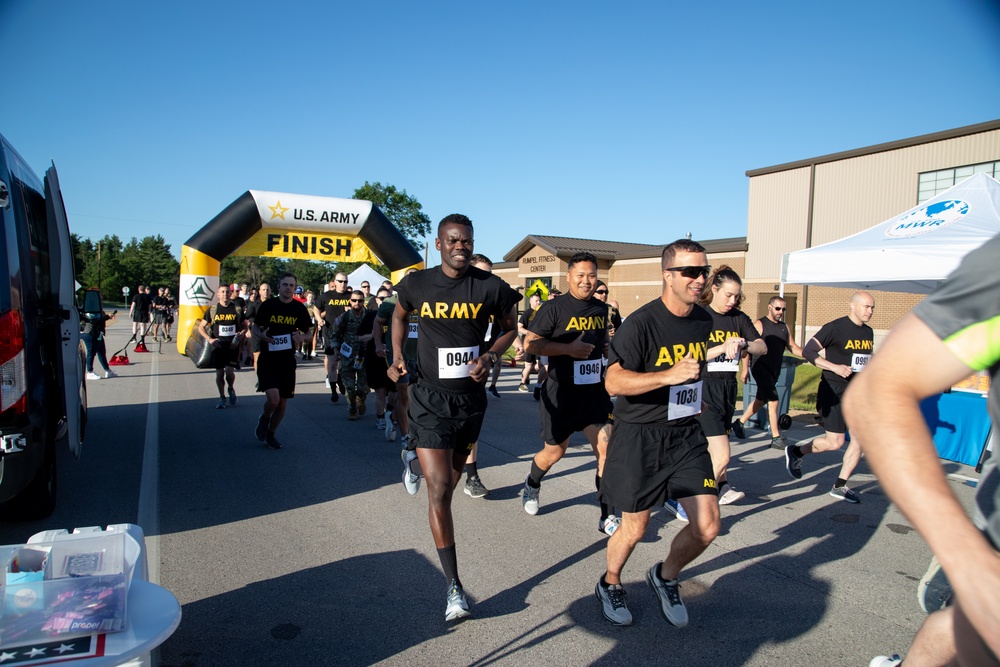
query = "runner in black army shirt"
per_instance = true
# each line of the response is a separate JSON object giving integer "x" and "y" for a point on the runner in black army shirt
{"x": 848, "y": 343}
{"x": 572, "y": 333}
{"x": 657, "y": 448}
{"x": 733, "y": 334}
{"x": 328, "y": 308}
{"x": 281, "y": 324}
{"x": 224, "y": 333}
{"x": 455, "y": 302}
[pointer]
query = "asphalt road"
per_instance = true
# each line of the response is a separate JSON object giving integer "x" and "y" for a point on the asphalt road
{"x": 315, "y": 555}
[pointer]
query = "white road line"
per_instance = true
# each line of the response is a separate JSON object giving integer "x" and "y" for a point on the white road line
{"x": 149, "y": 483}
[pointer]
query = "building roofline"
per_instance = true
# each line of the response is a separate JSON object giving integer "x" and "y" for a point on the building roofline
{"x": 880, "y": 148}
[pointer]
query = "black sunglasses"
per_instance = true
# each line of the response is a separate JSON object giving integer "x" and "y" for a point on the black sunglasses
{"x": 776, "y": 308}
{"x": 692, "y": 272}
{"x": 601, "y": 291}
{"x": 357, "y": 300}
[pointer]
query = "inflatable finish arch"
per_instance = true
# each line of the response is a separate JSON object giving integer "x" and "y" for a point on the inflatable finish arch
{"x": 277, "y": 224}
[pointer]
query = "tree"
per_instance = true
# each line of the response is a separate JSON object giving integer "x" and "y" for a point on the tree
{"x": 400, "y": 208}
{"x": 149, "y": 262}
{"x": 251, "y": 270}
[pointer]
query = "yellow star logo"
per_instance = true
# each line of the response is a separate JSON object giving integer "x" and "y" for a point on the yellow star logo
{"x": 278, "y": 211}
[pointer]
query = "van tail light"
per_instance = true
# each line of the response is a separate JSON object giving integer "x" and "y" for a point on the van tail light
{"x": 13, "y": 380}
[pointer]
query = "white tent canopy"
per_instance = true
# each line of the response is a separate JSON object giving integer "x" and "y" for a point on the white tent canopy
{"x": 910, "y": 252}
{"x": 363, "y": 273}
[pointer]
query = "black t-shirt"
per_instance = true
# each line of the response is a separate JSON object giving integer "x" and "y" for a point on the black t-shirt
{"x": 227, "y": 321}
{"x": 776, "y": 338}
{"x": 846, "y": 343}
{"x": 454, "y": 316}
{"x": 734, "y": 324}
{"x": 278, "y": 319}
{"x": 527, "y": 316}
{"x": 652, "y": 339}
{"x": 159, "y": 303}
{"x": 252, "y": 308}
{"x": 562, "y": 321}
{"x": 333, "y": 304}
{"x": 142, "y": 302}
{"x": 241, "y": 303}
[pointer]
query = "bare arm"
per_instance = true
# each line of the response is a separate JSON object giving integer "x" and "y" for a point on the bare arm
{"x": 883, "y": 407}
{"x": 812, "y": 355}
{"x": 400, "y": 329}
{"x": 537, "y": 345}
{"x": 621, "y": 382}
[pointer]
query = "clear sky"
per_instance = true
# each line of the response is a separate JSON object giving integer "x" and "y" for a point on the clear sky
{"x": 627, "y": 121}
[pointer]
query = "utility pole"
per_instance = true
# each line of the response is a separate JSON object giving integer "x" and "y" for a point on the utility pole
{"x": 98, "y": 266}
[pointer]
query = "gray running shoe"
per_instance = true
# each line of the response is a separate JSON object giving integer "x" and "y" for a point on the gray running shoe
{"x": 380, "y": 423}
{"x": 390, "y": 426}
{"x": 612, "y": 599}
{"x": 779, "y": 443}
{"x": 458, "y": 606}
{"x": 221, "y": 405}
{"x": 730, "y": 495}
{"x": 793, "y": 463}
{"x": 232, "y": 396}
{"x": 474, "y": 487}
{"x": 934, "y": 590}
{"x": 609, "y": 525}
{"x": 845, "y": 493}
{"x": 669, "y": 593}
{"x": 411, "y": 480}
{"x": 529, "y": 498}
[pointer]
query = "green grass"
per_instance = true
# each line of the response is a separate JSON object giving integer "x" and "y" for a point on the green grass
{"x": 804, "y": 388}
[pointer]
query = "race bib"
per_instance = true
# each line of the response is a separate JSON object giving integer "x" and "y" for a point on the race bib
{"x": 587, "y": 371}
{"x": 454, "y": 362}
{"x": 346, "y": 350}
{"x": 413, "y": 330}
{"x": 859, "y": 361}
{"x": 723, "y": 365}
{"x": 227, "y": 330}
{"x": 684, "y": 401}
{"x": 280, "y": 343}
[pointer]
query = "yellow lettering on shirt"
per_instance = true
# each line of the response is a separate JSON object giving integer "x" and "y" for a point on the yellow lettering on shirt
{"x": 670, "y": 357}
{"x": 720, "y": 336}
{"x": 283, "y": 319}
{"x": 450, "y": 311}
{"x": 225, "y": 317}
{"x": 594, "y": 323}
{"x": 858, "y": 345}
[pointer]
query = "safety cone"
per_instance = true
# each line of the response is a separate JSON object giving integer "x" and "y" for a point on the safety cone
{"x": 141, "y": 347}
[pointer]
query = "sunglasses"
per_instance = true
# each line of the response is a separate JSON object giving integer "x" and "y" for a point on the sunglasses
{"x": 357, "y": 300}
{"x": 601, "y": 291}
{"x": 779, "y": 309}
{"x": 692, "y": 272}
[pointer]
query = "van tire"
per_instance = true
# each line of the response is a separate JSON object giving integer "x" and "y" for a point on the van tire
{"x": 38, "y": 500}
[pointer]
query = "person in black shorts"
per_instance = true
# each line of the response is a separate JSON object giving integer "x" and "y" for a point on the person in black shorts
{"x": 733, "y": 335}
{"x": 331, "y": 305}
{"x": 224, "y": 328}
{"x": 572, "y": 333}
{"x": 948, "y": 336}
{"x": 657, "y": 448}
{"x": 530, "y": 360}
{"x": 455, "y": 302}
{"x": 848, "y": 342}
{"x": 281, "y": 325}
{"x": 139, "y": 312}
{"x": 766, "y": 368}
{"x": 263, "y": 294}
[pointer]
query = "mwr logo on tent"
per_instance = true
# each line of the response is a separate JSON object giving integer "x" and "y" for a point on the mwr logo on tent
{"x": 928, "y": 218}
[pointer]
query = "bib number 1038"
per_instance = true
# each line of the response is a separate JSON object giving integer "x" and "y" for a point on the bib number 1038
{"x": 684, "y": 401}
{"x": 456, "y": 362}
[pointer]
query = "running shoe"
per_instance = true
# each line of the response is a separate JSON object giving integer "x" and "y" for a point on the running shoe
{"x": 676, "y": 508}
{"x": 458, "y": 606}
{"x": 232, "y": 396}
{"x": 529, "y": 498}
{"x": 537, "y": 393}
{"x": 738, "y": 429}
{"x": 93, "y": 376}
{"x": 522, "y": 387}
{"x": 380, "y": 423}
{"x": 221, "y": 405}
{"x": 609, "y": 525}
{"x": 934, "y": 590}
{"x": 779, "y": 443}
{"x": 328, "y": 382}
{"x": 272, "y": 442}
{"x": 845, "y": 493}
{"x": 793, "y": 463}
{"x": 885, "y": 661}
{"x": 110, "y": 374}
{"x": 475, "y": 488}
{"x": 261, "y": 431}
{"x": 669, "y": 593}
{"x": 333, "y": 397}
{"x": 730, "y": 495}
{"x": 390, "y": 427}
{"x": 493, "y": 390}
{"x": 411, "y": 480}
{"x": 612, "y": 599}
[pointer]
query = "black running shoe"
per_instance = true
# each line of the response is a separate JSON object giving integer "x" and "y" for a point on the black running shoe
{"x": 261, "y": 431}
{"x": 738, "y": 430}
{"x": 493, "y": 390}
{"x": 537, "y": 393}
{"x": 272, "y": 442}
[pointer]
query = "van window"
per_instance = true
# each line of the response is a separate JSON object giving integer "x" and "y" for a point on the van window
{"x": 26, "y": 195}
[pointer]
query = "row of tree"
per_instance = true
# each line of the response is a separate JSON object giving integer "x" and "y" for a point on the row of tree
{"x": 110, "y": 264}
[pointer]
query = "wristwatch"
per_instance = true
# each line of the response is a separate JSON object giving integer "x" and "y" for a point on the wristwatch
{"x": 494, "y": 357}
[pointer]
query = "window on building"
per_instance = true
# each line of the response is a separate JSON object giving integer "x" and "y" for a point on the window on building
{"x": 932, "y": 183}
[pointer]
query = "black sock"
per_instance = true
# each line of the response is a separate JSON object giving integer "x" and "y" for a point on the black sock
{"x": 449, "y": 563}
{"x": 471, "y": 470}
{"x": 796, "y": 451}
{"x": 605, "y": 509}
{"x": 535, "y": 476}
{"x": 840, "y": 483}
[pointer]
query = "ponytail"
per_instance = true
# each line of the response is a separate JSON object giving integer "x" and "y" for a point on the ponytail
{"x": 721, "y": 275}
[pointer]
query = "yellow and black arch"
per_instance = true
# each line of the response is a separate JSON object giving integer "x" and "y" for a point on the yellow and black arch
{"x": 277, "y": 224}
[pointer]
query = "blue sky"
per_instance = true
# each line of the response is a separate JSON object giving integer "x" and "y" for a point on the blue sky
{"x": 620, "y": 121}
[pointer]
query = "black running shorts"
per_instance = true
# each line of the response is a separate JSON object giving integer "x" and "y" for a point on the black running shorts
{"x": 140, "y": 316}
{"x": 445, "y": 419}
{"x": 718, "y": 406}
{"x": 828, "y": 405}
{"x": 649, "y": 463}
{"x": 276, "y": 374}
{"x": 377, "y": 377}
{"x": 224, "y": 356}
{"x": 767, "y": 382}
{"x": 561, "y": 421}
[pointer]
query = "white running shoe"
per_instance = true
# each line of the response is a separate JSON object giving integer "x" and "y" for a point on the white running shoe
{"x": 676, "y": 508}
{"x": 390, "y": 427}
{"x": 110, "y": 374}
{"x": 609, "y": 526}
{"x": 458, "y": 606}
{"x": 529, "y": 498}
{"x": 411, "y": 480}
{"x": 93, "y": 376}
{"x": 731, "y": 495}
{"x": 328, "y": 382}
{"x": 885, "y": 661}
